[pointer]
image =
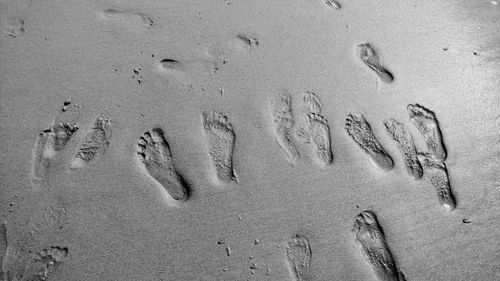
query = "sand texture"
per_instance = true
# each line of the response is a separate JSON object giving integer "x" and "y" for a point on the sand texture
{"x": 249, "y": 140}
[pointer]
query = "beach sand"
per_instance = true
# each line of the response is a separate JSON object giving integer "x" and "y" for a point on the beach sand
{"x": 252, "y": 176}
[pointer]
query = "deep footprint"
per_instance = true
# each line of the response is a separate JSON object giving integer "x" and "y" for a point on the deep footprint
{"x": 298, "y": 253}
{"x": 94, "y": 144}
{"x": 283, "y": 123}
{"x": 54, "y": 139}
{"x": 154, "y": 152}
{"x": 427, "y": 124}
{"x": 437, "y": 174}
{"x": 361, "y": 132}
{"x": 406, "y": 145}
{"x": 220, "y": 138}
{"x": 371, "y": 240}
{"x": 370, "y": 58}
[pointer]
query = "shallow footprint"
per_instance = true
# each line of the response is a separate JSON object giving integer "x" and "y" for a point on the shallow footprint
{"x": 94, "y": 144}
{"x": 154, "y": 152}
{"x": 13, "y": 26}
{"x": 220, "y": 138}
{"x": 371, "y": 240}
{"x": 283, "y": 123}
{"x": 406, "y": 145}
{"x": 370, "y": 58}
{"x": 54, "y": 139}
{"x": 133, "y": 18}
{"x": 427, "y": 124}
{"x": 318, "y": 133}
{"x": 312, "y": 103}
{"x": 298, "y": 253}
{"x": 361, "y": 132}
{"x": 186, "y": 72}
{"x": 437, "y": 174}
{"x": 333, "y": 4}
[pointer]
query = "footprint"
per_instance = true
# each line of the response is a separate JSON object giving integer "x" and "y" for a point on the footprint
{"x": 298, "y": 253}
{"x": 437, "y": 174}
{"x": 220, "y": 137}
{"x": 13, "y": 26}
{"x": 427, "y": 124}
{"x": 370, "y": 58}
{"x": 44, "y": 262}
{"x": 245, "y": 42}
{"x": 360, "y": 131}
{"x": 154, "y": 152}
{"x": 333, "y": 4}
{"x": 371, "y": 240}
{"x": 312, "y": 103}
{"x": 94, "y": 144}
{"x": 283, "y": 123}
{"x": 316, "y": 130}
{"x": 318, "y": 134}
{"x": 187, "y": 72}
{"x": 406, "y": 145}
{"x": 3, "y": 248}
{"x": 133, "y": 18}
{"x": 54, "y": 139}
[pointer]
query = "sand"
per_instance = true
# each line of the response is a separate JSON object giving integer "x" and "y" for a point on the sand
{"x": 82, "y": 81}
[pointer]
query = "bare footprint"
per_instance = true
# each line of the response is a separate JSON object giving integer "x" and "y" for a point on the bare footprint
{"x": 361, "y": 132}
{"x": 312, "y": 103}
{"x": 94, "y": 144}
{"x": 245, "y": 42}
{"x": 134, "y": 18}
{"x": 44, "y": 262}
{"x": 298, "y": 253}
{"x": 371, "y": 240}
{"x": 406, "y": 145}
{"x": 370, "y": 58}
{"x": 318, "y": 134}
{"x": 333, "y": 4}
{"x": 437, "y": 174}
{"x": 154, "y": 152}
{"x": 283, "y": 123}
{"x": 13, "y": 26}
{"x": 427, "y": 124}
{"x": 53, "y": 139}
{"x": 188, "y": 71}
{"x": 220, "y": 139}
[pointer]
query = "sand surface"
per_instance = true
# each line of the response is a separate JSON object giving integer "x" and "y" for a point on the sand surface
{"x": 263, "y": 193}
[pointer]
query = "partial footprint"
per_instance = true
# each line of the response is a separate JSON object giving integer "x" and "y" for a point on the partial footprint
{"x": 361, "y": 132}
{"x": 312, "y": 103}
{"x": 220, "y": 139}
{"x": 406, "y": 145}
{"x": 333, "y": 4}
{"x": 3, "y": 249}
{"x": 371, "y": 240}
{"x": 427, "y": 124}
{"x": 154, "y": 152}
{"x": 437, "y": 174}
{"x": 187, "y": 72}
{"x": 13, "y": 26}
{"x": 245, "y": 42}
{"x": 370, "y": 58}
{"x": 298, "y": 253}
{"x": 134, "y": 18}
{"x": 283, "y": 123}
{"x": 44, "y": 262}
{"x": 235, "y": 45}
{"x": 53, "y": 139}
{"x": 94, "y": 144}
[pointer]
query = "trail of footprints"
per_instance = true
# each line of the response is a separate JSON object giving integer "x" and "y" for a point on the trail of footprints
{"x": 155, "y": 156}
